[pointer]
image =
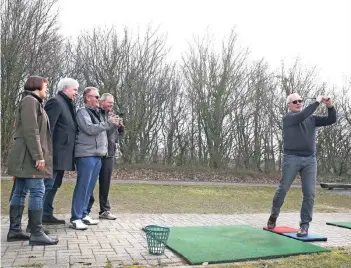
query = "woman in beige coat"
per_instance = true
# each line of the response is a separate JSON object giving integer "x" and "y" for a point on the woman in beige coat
{"x": 30, "y": 161}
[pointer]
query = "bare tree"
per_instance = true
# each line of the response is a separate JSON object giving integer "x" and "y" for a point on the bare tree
{"x": 212, "y": 81}
{"x": 137, "y": 74}
{"x": 334, "y": 142}
{"x": 214, "y": 108}
{"x": 30, "y": 45}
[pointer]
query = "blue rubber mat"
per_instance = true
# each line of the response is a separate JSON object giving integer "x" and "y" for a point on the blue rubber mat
{"x": 291, "y": 233}
{"x": 309, "y": 238}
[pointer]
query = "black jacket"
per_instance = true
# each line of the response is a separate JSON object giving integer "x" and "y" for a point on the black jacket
{"x": 62, "y": 117}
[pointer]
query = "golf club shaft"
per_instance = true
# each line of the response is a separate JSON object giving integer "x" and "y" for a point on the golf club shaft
{"x": 313, "y": 98}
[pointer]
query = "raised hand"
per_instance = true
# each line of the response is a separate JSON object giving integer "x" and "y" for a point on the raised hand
{"x": 329, "y": 102}
{"x": 114, "y": 120}
{"x": 320, "y": 98}
{"x": 121, "y": 122}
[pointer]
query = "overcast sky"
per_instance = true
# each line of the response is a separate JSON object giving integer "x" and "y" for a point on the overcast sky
{"x": 319, "y": 32}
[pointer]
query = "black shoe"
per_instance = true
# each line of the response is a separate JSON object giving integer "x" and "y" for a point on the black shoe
{"x": 41, "y": 239}
{"x": 302, "y": 232}
{"x": 51, "y": 220}
{"x": 17, "y": 236}
{"x": 271, "y": 222}
{"x": 15, "y": 232}
{"x": 37, "y": 236}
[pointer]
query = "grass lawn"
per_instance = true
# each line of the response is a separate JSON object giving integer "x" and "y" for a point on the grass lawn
{"x": 336, "y": 258}
{"x": 146, "y": 198}
{"x": 333, "y": 259}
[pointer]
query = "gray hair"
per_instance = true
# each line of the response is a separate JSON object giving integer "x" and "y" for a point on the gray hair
{"x": 287, "y": 100}
{"x": 289, "y": 97}
{"x": 105, "y": 95}
{"x": 67, "y": 82}
{"x": 87, "y": 90}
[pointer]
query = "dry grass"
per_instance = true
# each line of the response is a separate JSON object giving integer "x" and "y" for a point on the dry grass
{"x": 146, "y": 198}
{"x": 336, "y": 258}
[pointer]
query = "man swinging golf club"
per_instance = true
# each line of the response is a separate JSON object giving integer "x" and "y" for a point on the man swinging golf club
{"x": 299, "y": 135}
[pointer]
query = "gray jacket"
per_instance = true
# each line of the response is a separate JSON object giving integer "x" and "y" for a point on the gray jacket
{"x": 113, "y": 135}
{"x": 91, "y": 138}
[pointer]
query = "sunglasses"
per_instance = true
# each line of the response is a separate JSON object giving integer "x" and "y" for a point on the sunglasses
{"x": 296, "y": 101}
{"x": 96, "y": 97}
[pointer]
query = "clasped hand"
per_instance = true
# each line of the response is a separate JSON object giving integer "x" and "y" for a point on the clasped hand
{"x": 325, "y": 99}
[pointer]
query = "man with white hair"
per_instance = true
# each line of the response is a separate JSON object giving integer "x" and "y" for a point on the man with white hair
{"x": 62, "y": 116}
{"x": 299, "y": 135}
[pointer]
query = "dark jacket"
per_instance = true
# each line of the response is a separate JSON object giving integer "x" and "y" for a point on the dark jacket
{"x": 113, "y": 135}
{"x": 62, "y": 117}
{"x": 32, "y": 140}
{"x": 91, "y": 138}
{"x": 299, "y": 130}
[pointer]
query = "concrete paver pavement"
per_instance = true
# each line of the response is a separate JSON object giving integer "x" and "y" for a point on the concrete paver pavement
{"x": 122, "y": 242}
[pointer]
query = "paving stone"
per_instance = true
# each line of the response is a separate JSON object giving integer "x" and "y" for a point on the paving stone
{"x": 123, "y": 241}
{"x": 57, "y": 266}
{"x": 73, "y": 246}
{"x": 62, "y": 259}
{"x": 101, "y": 258}
{"x": 82, "y": 259}
{"x": 7, "y": 263}
{"x": 21, "y": 261}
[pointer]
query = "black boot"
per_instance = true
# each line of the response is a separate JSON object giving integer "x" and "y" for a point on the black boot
{"x": 46, "y": 231}
{"x": 15, "y": 233}
{"x": 37, "y": 236}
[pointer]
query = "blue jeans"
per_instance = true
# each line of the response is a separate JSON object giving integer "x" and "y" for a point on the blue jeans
{"x": 291, "y": 166}
{"x": 23, "y": 196}
{"x": 36, "y": 190}
{"x": 51, "y": 187}
{"x": 88, "y": 169}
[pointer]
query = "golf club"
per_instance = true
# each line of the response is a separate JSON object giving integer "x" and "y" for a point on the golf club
{"x": 313, "y": 98}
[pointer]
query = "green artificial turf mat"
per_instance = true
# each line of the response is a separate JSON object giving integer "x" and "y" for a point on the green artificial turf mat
{"x": 215, "y": 244}
{"x": 341, "y": 224}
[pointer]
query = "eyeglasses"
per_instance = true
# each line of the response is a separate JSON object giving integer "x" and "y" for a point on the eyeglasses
{"x": 96, "y": 97}
{"x": 296, "y": 101}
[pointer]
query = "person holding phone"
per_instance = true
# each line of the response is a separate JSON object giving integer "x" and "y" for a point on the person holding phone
{"x": 113, "y": 137}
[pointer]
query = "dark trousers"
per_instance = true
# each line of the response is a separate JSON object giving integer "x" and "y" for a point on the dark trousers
{"x": 104, "y": 185}
{"x": 307, "y": 167}
{"x": 51, "y": 187}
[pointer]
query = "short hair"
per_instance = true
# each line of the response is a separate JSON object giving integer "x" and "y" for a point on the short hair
{"x": 87, "y": 90}
{"x": 67, "y": 82}
{"x": 105, "y": 95}
{"x": 34, "y": 82}
{"x": 288, "y": 98}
